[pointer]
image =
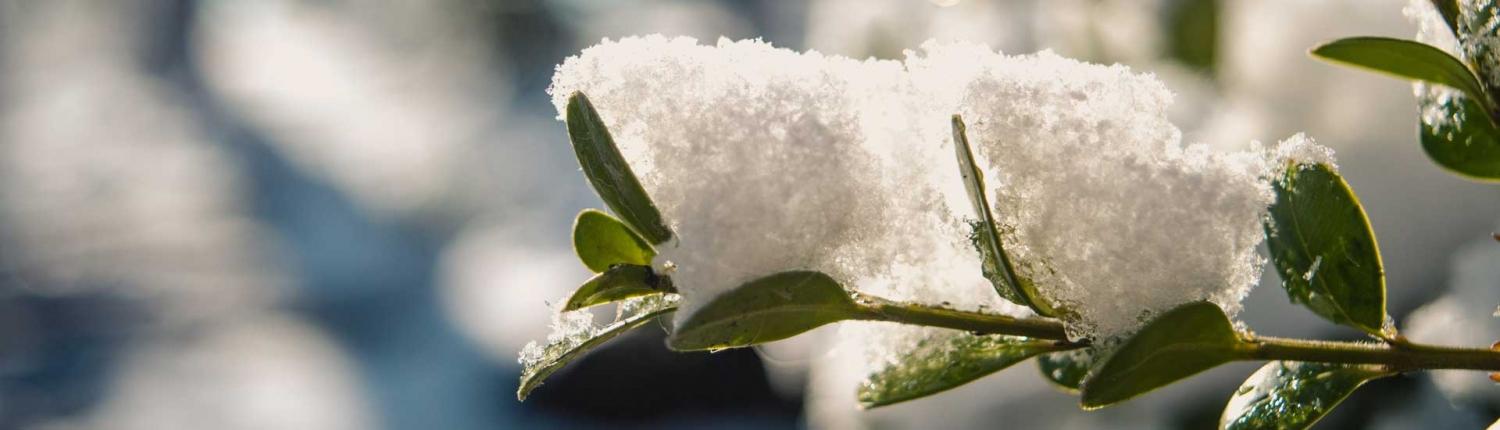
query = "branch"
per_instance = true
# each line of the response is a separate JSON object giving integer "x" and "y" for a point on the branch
{"x": 1403, "y": 358}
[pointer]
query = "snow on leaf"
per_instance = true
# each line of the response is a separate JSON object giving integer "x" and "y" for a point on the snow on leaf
{"x": 574, "y": 334}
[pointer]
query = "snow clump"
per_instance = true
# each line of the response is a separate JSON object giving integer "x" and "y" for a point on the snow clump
{"x": 764, "y": 160}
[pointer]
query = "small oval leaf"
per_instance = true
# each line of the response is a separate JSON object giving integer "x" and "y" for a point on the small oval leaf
{"x": 1457, "y": 134}
{"x": 997, "y": 266}
{"x": 1067, "y": 369}
{"x": 608, "y": 172}
{"x": 1180, "y": 343}
{"x": 942, "y": 362}
{"x": 1292, "y": 395}
{"x": 1404, "y": 59}
{"x": 1323, "y": 248}
{"x": 772, "y": 308}
{"x": 563, "y": 350}
{"x": 620, "y": 282}
{"x": 602, "y": 241}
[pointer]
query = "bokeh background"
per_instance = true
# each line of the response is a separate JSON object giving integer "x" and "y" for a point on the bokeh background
{"x": 344, "y": 214}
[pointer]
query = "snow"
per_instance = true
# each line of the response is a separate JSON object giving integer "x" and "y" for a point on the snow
{"x": 570, "y": 330}
{"x": 765, "y": 160}
{"x": 1479, "y": 38}
{"x": 1301, "y": 150}
{"x": 1113, "y": 217}
{"x": 1475, "y": 43}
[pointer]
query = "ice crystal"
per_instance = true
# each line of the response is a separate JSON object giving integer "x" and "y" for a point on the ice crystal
{"x": 1301, "y": 150}
{"x": 569, "y": 329}
{"x": 574, "y": 333}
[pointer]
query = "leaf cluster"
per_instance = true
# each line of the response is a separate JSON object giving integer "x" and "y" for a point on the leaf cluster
{"x": 1317, "y": 233}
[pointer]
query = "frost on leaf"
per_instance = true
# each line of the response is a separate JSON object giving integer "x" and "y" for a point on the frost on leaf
{"x": 945, "y": 361}
{"x": 574, "y": 333}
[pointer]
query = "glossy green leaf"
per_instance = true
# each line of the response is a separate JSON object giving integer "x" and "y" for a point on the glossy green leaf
{"x": 997, "y": 266}
{"x": 767, "y": 309}
{"x": 608, "y": 172}
{"x": 602, "y": 241}
{"x": 1458, "y": 135}
{"x": 618, "y": 283}
{"x": 1178, "y": 344}
{"x": 943, "y": 362}
{"x": 1322, "y": 245}
{"x": 1403, "y": 59}
{"x": 561, "y": 351}
{"x": 1292, "y": 395}
{"x": 1067, "y": 369}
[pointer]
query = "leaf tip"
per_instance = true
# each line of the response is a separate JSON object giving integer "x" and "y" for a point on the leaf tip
{"x": 524, "y": 391}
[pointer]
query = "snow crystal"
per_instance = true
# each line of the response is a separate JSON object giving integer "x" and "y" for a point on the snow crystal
{"x": 766, "y": 160}
{"x": 1479, "y": 38}
{"x": 569, "y": 329}
{"x": 1301, "y": 150}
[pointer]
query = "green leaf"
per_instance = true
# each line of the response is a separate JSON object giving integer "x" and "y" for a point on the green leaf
{"x": 997, "y": 266}
{"x": 1322, "y": 245}
{"x": 1178, "y": 344}
{"x": 1459, "y": 136}
{"x": 1067, "y": 369}
{"x": 602, "y": 241}
{"x": 1292, "y": 395}
{"x": 767, "y": 309}
{"x": 1458, "y": 128}
{"x": 618, "y": 283}
{"x": 943, "y": 362}
{"x": 608, "y": 172}
{"x": 563, "y": 350}
{"x": 1404, "y": 59}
